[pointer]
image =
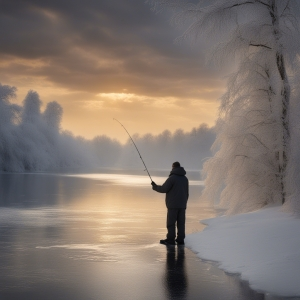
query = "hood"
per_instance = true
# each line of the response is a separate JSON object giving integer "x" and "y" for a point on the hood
{"x": 178, "y": 171}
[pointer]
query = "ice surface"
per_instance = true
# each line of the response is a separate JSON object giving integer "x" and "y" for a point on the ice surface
{"x": 262, "y": 246}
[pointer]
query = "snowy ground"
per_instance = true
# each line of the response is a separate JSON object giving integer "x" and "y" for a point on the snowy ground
{"x": 262, "y": 246}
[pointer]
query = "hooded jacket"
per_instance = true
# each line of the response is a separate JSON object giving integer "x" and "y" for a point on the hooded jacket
{"x": 176, "y": 188}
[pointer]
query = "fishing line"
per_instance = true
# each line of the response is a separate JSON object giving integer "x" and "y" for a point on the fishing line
{"x": 135, "y": 148}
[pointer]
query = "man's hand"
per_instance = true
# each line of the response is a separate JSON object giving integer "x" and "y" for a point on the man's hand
{"x": 153, "y": 184}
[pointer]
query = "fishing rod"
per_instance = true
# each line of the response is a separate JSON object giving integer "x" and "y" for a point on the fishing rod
{"x": 135, "y": 148}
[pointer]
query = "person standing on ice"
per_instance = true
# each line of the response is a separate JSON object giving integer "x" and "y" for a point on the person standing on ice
{"x": 176, "y": 188}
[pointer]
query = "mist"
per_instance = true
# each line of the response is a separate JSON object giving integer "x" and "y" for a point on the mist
{"x": 33, "y": 140}
{"x": 190, "y": 148}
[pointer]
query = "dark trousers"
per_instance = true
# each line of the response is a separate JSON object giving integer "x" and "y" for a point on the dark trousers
{"x": 176, "y": 216}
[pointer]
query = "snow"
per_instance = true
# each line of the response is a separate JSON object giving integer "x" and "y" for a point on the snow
{"x": 262, "y": 246}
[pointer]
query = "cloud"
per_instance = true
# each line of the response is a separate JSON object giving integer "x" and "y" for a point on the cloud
{"x": 140, "y": 113}
{"x": 73, "y": 50}
{"x": 98, "y": 46}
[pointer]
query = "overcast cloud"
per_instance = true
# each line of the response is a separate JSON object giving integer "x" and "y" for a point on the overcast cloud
{"x": 78, "y": 51}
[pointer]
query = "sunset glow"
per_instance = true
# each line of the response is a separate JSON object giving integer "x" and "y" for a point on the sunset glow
{"x": 99, "y": 68}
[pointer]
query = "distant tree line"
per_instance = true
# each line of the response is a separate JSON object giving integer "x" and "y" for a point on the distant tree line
{"x": 32, "y": 140}
{"x": 158, "y": 151}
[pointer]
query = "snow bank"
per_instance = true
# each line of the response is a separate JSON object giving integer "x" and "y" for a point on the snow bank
{"x": 262, "y": 246}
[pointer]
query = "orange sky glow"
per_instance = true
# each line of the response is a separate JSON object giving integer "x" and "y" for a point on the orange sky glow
{"x": 98, "y": 69}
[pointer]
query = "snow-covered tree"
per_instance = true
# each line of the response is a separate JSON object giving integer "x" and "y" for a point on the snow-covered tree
{"x": 253, "y": 145}
{"x": 9, "y": 118}
{"x": 53, "y": 115}
{"x": 31, "y": 107}
{"x": 31, "y": 140}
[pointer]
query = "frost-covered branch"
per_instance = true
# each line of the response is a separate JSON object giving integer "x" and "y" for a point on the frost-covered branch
{"x": 260, "y": 45}
{"x": 261, "y": 37}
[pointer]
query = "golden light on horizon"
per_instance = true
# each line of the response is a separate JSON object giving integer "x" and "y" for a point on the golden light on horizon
{"x": 140, "y": 114}
{"x": 88, "y": 114}
{"x": 100, "y": 68}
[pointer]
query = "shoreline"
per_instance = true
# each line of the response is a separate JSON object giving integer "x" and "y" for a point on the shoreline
{"x": 263, "y": 247}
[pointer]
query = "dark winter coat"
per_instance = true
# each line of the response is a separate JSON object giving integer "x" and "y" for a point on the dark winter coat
{"x": 176, "y": 188}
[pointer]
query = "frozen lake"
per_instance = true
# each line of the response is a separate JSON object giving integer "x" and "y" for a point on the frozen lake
{"x": 96, "y": 236}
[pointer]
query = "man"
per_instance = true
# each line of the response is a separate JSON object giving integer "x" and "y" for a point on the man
{"x": 176, "y": 188}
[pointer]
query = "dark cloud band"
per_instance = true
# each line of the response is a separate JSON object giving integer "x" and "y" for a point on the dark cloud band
{"x": 99, "y": 46}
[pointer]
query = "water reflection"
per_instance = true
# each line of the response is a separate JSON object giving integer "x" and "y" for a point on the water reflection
{"x": 176, "y": 280}
{"x": 36, "y": 190}
{"x": 128, "y": 179}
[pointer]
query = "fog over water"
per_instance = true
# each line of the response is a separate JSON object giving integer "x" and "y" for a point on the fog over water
{"x": 33, "y": 140}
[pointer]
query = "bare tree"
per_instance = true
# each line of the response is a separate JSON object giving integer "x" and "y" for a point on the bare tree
{"x": 249, "y": 167}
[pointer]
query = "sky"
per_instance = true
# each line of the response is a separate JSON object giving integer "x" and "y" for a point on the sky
{"x": 108, "y": 59}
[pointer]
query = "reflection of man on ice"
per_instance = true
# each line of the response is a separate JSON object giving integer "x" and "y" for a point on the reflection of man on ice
{"x": 176, "y": 188}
